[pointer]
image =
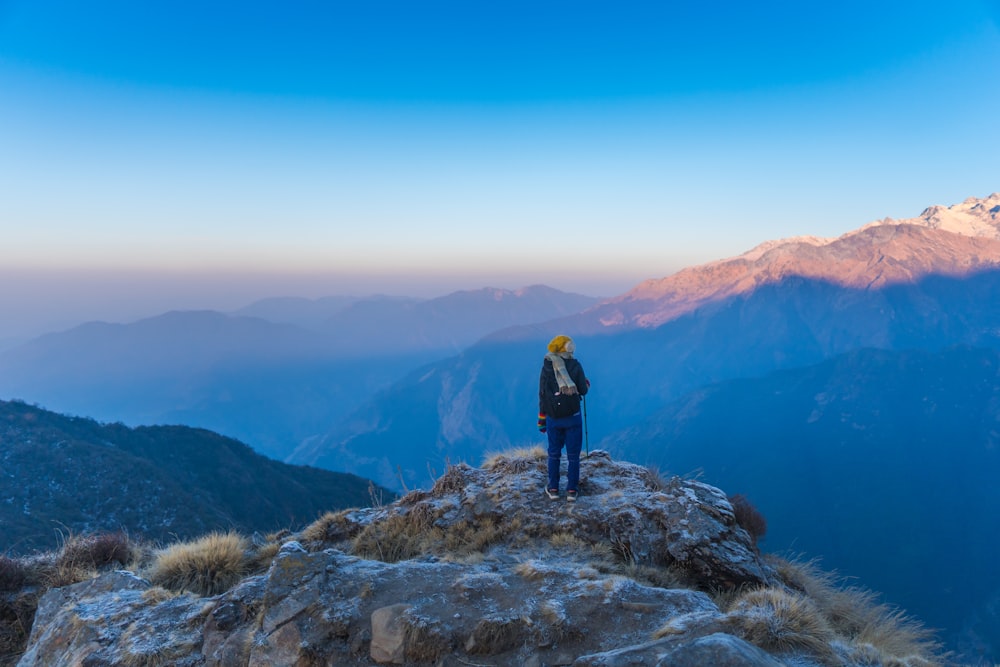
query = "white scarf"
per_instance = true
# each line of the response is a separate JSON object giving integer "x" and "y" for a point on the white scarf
{"x": 565, "y": 382}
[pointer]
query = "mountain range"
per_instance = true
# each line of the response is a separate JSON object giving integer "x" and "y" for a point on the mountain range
{"x": 378, "y": 325}
{"x": 942, "y": 241}
{"x": 270, "y": 374}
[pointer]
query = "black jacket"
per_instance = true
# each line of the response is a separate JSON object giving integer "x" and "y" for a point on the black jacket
{"x": 547, "y": 386}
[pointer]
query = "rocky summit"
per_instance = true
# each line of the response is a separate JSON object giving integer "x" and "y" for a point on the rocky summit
{"x": 484, "y": 569}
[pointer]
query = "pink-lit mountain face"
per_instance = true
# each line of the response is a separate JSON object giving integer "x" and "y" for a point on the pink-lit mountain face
{"x": 953, "y": 241}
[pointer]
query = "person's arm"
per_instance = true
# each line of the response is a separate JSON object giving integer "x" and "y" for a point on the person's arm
{"x": 542, "y": 422}
{"x": 541, "y": 391}
{"x": 580, "y": 380}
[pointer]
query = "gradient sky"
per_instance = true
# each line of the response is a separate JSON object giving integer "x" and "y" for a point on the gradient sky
{"x": 160, "y": 155}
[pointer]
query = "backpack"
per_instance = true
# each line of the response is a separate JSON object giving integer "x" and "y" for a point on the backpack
{"x": 565, "y": 405}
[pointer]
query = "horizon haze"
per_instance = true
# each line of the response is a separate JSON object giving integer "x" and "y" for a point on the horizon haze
{"x": 192, "y": 156}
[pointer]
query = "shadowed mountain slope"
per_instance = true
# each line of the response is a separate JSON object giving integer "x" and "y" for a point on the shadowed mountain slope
{"x": 63, "y": 474}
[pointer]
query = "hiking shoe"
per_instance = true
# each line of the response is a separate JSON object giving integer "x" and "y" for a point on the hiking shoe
{"x": 553, "y": 494}
{"x": 571, "y": 496}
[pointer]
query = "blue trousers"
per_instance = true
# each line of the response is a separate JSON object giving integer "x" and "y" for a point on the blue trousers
{"x": 565, "y": 432}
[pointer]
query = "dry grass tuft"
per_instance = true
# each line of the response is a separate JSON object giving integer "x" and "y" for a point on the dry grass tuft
{"x": 778, "y": 620}
{"x": 567, "y": 540}
{"x": 397, "y": 537}
{"x": 856, "y": 615}
{"x": 602, "y": 552}
{"x": 262, "y": 557}
{"x": 17, "y": 614}
{"x": 82, "y": 557}
{"x": 207, "y": 566}
{"x": 654, "y": 479}
{"x": 452, "y": 481}
{"x": 622, "y": 551}
{"x": 532, "y": 570}
{"x": 98, "y": 551}
{"x": 473, "y": 536}
{"x": 414, "y": 497}
{"x": 495, "y": 634}
{"x": 516, "y": 460}
{"x": 13, "y": 573}
{"x": 401, "y": 536}
{"x": 330, "y": 528}
{"x": 58, "y": 574}
{"x": 897, "y": 636}
{"x": 426, "y": 640}
{"x": 816, "y": 608}
{"x": 553, "y": 615}
{"x": 157, "y": 595}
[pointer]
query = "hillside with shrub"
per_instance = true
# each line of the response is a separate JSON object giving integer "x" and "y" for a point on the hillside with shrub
{"x": 63, "y": 475}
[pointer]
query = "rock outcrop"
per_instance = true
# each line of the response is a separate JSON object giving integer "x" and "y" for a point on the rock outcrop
{"x": 482, "y": 569}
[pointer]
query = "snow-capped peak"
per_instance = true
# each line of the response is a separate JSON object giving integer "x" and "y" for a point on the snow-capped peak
{"x": 973, "y": 217}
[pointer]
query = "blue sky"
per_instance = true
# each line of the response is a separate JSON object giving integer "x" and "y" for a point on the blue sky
{"x": 161, "y": 155}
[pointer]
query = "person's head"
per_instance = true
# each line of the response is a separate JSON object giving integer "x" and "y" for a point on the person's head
{"x": 562, "y": 344}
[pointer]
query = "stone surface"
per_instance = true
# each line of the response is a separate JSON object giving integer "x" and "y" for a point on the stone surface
{"x": 388, "y": 644}
{"x": 684, "y": 524}
{"x": 115, "y": 619}
{"x": 719, "y": 650}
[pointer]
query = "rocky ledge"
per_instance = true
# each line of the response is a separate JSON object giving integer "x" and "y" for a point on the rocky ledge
{"x": 484, "y": 569}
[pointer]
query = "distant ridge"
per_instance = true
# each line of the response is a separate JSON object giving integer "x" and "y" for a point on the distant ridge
{"x": 374, "y": 324}
{"x": 271, "y": 374}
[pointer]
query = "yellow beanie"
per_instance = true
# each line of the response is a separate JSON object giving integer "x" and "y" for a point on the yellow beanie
{"x": 561, "y": 343}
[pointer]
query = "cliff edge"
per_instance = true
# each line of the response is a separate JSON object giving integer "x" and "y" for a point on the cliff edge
{"x": 484, "y": 569}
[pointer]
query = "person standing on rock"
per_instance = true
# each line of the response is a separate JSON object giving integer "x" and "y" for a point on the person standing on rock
{"x": 560, "y": 388}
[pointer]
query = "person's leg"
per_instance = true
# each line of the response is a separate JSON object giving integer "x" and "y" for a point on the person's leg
{"x": 557, "y": 436}
{"x": 574, "y": 443}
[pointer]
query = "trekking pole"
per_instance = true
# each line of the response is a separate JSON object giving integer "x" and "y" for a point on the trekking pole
{"x": 586, "y": 435}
